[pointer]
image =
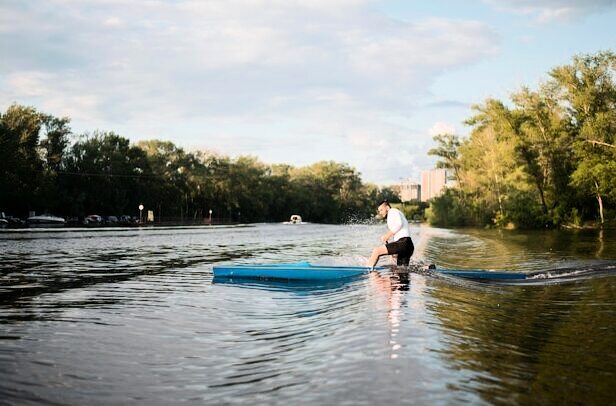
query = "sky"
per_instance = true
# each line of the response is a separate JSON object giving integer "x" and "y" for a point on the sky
{"x": 363, "y": 82}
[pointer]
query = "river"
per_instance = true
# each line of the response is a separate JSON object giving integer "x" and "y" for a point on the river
{"x": 115, "y": 316}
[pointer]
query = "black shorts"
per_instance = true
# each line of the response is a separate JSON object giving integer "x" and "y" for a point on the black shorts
{"x": 403, "y": 248}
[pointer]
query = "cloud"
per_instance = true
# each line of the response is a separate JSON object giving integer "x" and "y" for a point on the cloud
{"x": 225, "y": 57}
{"x": 442, "y": 128}
{"x": 553, "y": 10}
{"x": 446, "y": 104}
{"x": 184, "y": 70}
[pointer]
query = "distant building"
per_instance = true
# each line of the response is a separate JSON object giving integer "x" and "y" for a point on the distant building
{"x": 410, "y": 191}
{"x": 433, "y": 182}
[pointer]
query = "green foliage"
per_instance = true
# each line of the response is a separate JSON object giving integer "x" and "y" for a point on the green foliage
{"x": 447, "y": 150}
{"x": 389, "y": 193}
{"x": 522, "y": 210}
{"x": 447, "y": 210}
{"x": 20, "y": 161}
{"x": 544, "y": 161}
{"x": 589, "y": 90}
{"x": 103, "y": 173}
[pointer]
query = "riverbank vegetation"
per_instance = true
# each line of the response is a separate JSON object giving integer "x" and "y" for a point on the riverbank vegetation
{"x": 546, "y": 159}
{"x": 47, "y": 168}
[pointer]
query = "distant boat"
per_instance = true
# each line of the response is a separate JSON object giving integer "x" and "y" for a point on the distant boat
{"x": 46, "y": 219}
{"x": 295, "y": 219}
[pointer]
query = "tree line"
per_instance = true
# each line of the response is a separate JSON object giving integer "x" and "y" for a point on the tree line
{"x": 546, "y": 159}
{"x": 45, "y": 167}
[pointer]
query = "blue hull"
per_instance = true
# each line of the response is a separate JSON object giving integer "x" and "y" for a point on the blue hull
{"x": 296, "y": 271}
{"x": 308, "y": 272}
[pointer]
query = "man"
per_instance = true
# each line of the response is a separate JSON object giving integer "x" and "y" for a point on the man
{"x": 398, "y": 228}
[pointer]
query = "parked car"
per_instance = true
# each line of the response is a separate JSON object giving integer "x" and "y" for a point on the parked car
{"x": 126, "y": 219}
{"x": 111, "y": 220}
{"x": 93, "y": 219}
{"x": 73, "y": 220}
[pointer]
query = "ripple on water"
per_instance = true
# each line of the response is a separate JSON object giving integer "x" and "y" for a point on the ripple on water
{"x": 125, "y": 315}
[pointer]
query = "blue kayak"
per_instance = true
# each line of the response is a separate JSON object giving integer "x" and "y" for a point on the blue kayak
{"x": 293, "y": 271}
{"x": 307, "y": 271}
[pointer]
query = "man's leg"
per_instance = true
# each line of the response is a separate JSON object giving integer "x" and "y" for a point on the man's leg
{"x": 376, "y": 253}
{"x": 403, "y": 260}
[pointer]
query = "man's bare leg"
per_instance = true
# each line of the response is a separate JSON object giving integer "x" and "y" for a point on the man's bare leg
{"x": 376, "y": 254}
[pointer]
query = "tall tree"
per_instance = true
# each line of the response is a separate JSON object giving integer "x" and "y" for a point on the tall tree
{"x": 544, "y": 144}
{"x": 54, "y": 145}
{"x": 589, "y": 91}
{"x": 447, "y": 146}
{"x": 20, "y": 164}
{"x": 491, "y": 174}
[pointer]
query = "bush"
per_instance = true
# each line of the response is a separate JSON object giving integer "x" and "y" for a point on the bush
{"x": 447, "y": 210}
{"x": 522, "y": 211}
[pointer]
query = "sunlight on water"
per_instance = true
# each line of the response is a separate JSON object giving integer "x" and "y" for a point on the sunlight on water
{"x": 134, "y": 315}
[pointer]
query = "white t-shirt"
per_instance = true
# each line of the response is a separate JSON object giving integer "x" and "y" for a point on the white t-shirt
{"x": 397, "y": 224}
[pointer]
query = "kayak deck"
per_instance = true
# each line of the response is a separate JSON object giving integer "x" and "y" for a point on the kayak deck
{"x": 293, "y": 271}
{"x": 308, "y": 271}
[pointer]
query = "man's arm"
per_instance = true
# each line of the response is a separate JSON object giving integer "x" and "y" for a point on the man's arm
{"x": 385, "y": 237}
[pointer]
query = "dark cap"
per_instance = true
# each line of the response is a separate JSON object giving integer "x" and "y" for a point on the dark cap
{"x": 384, "y": 202}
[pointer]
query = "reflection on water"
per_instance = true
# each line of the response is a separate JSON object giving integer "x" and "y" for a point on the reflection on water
{"x": 123, "y": 315}
{"x": 545, "y": 345}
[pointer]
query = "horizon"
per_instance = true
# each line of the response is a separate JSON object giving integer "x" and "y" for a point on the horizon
{"x": 367, "y": 83}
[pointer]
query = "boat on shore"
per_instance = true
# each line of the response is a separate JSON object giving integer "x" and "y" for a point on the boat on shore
{"x": 46, "y": 220}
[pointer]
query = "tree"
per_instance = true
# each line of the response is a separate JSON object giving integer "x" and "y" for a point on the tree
{"x": 20, "y": 163}
{"x": 56, "y": 141}
{"x": 104, "y": 174}
{"x": 589, "y": 90}
{"x": 490, "y": 172}
{"x": 544, "y": 145}
{"x": 389, "y": 193}
{"x": 179, "y": 186}
{"x": 447, "y": 146}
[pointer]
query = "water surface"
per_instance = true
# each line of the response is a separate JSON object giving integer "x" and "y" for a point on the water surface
{"x": 118, "y": 315}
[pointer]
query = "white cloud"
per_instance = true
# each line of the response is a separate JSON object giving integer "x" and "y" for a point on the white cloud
{"x": 112, "y": 22}
{"x": 30, "y": 84}
{"x": 225, "y": 57}
{"x": 553, "y": 10}
{"x": 442, "y": 128}
{"x": 176, "y": 70}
